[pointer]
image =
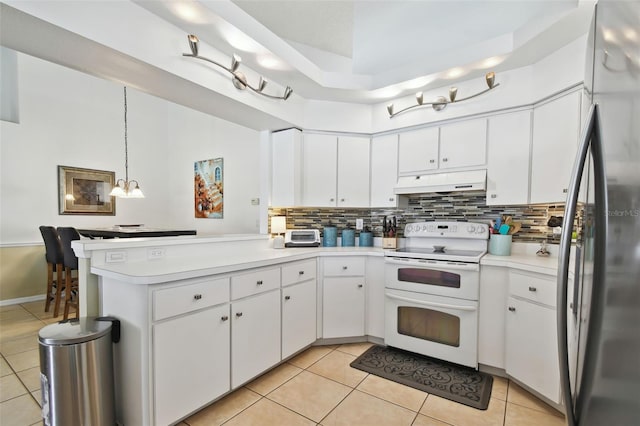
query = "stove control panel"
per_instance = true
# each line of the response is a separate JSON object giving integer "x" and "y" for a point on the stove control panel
{"x": 472, "y": 230}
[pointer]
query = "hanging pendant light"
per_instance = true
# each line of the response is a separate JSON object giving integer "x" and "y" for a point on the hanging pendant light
{"x": 126, "y": 188}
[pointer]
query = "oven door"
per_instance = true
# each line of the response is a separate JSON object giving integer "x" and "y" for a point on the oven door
{"x": 439, "y": 327}
{"x": 441, "y": 278}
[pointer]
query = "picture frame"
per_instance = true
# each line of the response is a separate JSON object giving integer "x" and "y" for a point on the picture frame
{"x": 209, "y": 189}
{"x": 85, "y": 191}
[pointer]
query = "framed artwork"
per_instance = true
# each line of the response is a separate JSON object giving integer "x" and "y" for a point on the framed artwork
{"x": 209, "y": 188}
{"x": 85, "y": 191}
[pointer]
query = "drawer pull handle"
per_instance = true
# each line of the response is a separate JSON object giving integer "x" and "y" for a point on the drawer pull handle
{"x": 391, "y": 199}
{"x": 287, "y": 298}
{"x": 532, "y": 289}
{"x": 432, "y": 161}
{"x": 300, "y": 272}
{"x": 224, "y": 318}
{"x": 360, "y": 285}
{"x": 512, "y": 309}
{"x": 238, "y": 314}
{"x": 494, "y": 195}
{"x": 445, "y": 159}
{"x": 197, "y": 296}
{"x": 259, "y": 282}
{"x": 344, "y": 268}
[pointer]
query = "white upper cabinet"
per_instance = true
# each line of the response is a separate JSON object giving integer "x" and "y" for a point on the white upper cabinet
{"x": 384, "y": 170}
{"x": 556, "y": 128}
{"x": 463, "y": 144}
{"x": 353, "y": 171}
{"x": 320, "y": 171}
{"x": 418, "y": 151}
{"x": 286, "y": 178}
{"x": 508, "y": 158}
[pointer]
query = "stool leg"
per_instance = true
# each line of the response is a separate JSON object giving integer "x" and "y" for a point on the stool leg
{"x": 47, "y": 302}
{"x": 67, "y": 299}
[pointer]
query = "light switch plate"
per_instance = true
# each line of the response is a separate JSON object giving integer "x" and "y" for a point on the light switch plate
{"x": 255, "y": 201}
{"x": 359, "y": 224}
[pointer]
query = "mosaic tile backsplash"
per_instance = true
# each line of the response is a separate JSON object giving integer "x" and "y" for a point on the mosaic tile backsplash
{"x": 462, "y": 206}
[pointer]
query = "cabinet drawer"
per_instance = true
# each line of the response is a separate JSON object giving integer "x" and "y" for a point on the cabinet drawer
{"x": 255, "y": 282}
{"x": 298, "y": 272}
{"x": 179, "y": 300}
{"x": 534, "y": 288}
{"x": 343, "y": 266}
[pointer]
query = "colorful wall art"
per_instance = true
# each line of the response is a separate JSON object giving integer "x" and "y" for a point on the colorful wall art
{"x": 209, "y": 188}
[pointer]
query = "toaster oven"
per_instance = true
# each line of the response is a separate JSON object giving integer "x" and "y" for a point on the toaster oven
{"x": 302, "y": 238}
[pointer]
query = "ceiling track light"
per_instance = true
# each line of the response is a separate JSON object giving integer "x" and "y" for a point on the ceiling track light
{"x": 441, "y": 102}
{"x": 238, "y": 78}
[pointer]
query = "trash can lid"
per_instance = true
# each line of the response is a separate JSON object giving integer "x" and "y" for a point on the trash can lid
{"x": 74, "y": 331}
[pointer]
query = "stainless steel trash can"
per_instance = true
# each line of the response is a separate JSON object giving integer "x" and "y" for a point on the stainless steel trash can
{"x": 76, "y": 372}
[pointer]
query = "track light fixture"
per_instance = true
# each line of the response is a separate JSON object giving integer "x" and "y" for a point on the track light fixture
{"x": 441, "y": 102}
{"x": 237, "y": 77}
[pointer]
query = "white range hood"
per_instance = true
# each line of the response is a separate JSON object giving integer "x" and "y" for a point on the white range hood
{"x": 442, "y": 182}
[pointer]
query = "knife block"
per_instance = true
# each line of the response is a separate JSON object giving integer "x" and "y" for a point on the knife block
{"x": 389, "y": 243}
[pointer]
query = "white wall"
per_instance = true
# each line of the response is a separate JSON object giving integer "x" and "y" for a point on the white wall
{"x": 72, "y": 119}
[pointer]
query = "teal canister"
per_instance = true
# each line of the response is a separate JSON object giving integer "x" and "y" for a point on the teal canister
{"x": 329, "y": 236}
{"x": 348, "y": 237}
{"x": 366, "y": 239}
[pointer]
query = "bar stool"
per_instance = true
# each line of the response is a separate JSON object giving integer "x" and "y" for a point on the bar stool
{"x": 67, "y": 235}
{"x": 55, "y": 260}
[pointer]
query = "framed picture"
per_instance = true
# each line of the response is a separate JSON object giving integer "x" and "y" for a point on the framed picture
{"x": 85, "y": 191}
{"x": 209, "y": 188}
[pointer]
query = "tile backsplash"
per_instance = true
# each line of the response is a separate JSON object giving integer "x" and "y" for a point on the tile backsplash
{"x": 460, "y": 206}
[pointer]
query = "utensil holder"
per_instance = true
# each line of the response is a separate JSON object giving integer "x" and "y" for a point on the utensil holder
{"x": 348, "y": 238}
{"x": 365, "y": 239}
{"x": 500, "y": 245}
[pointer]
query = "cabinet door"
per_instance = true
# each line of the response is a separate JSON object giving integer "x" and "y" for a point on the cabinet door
{"x": 255, "y": 339}
{"x": 508, "y": 159}
{"x": 532, "y": 347}
{"x": 375, "y": 297}
{"x": 286, "y": 178}
{"x": 384, "y": 170}
{"x": 555, "y": 142}
{"x": 418, "y": 151}
{"x": 298, "y": 317}
{"x": 491, "y": 317}
{"x": 191, "y": 362}
{"x": 353, "y": 171}
{"x": 319, "y": 172}
{"x": 343, "y": 307}
{"x": 463, "y": 144}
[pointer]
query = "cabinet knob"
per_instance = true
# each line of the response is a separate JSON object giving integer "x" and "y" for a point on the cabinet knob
{"x": 391, "y": 199}
{"x": 332, "y": 199}
{"x": 300, "y": 272}
{"x": 224, "y": 318}
{"x": 359, "y": 285}
{"x": 417, "y": 177}
{"x": 532, "y": 289}
{"x": 287, "y": 298}
{"x": 342, "y": 200}
{"x": 565, "y": 190}
{"x": 344, "y": 268}
{"x": 494, "y": 195}
{"x": 512, "y": 309}
{"x": 259, "y": 282}
{"x": 238, "y": 314}
{"x": 445, "y": 160}
{"x": 197, "y": 296}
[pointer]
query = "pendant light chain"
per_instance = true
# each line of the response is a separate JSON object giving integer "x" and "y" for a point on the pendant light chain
{"x": 126, "y": 145}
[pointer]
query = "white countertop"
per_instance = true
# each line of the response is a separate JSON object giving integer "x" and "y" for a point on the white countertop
{"x": 523, "y": 257}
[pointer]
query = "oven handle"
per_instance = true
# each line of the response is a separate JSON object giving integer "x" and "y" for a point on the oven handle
{"x": 434, "y": 264}
{"x": 432, "y": 304}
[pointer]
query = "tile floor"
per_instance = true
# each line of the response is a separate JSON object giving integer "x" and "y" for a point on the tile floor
{"x": 317, "y": 387}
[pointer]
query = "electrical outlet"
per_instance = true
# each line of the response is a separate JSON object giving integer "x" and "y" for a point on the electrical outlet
{"x": 255, "y": 201}
{"x": 155, "y": 253}
{"x": 359, "y": 224}
{"x": 116, "y": 256}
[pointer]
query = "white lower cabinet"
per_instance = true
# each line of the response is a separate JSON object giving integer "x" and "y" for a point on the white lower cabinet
{"x": 375, "y": 296}
{"x": 494, "y": 282}
{"x": 531, "y": 336}
{"x": 191, "y": 362}
{"x": 298, "y": 317}
{"x": 343, "y": 296}
{"x": 255, "y": 336}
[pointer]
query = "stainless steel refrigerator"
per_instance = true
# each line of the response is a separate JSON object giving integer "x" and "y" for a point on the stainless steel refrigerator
{"x": 599, "y": 276}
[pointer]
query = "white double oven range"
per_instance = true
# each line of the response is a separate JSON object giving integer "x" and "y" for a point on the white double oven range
{"x": 432, "y": 287}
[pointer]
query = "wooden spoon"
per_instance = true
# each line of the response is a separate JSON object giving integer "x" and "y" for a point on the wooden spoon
{"x": 515, "y": 227}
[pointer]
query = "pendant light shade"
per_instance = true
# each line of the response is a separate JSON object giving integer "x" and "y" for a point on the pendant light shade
{"x": 126, "y": 188}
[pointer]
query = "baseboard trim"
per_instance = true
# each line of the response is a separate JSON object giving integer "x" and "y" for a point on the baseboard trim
{"x": 20, "y": 300}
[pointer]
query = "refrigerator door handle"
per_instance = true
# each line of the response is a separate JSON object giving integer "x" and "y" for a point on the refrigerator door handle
{"x": 563, "y": 261}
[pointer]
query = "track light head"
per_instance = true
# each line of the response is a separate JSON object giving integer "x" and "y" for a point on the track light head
{"x": 452, "y": 93}
{"x": 419, "y": 98}
{"x": 491, "y": 79}
{"x": 235, "y": 63}
{"x": 193, "y": 44}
